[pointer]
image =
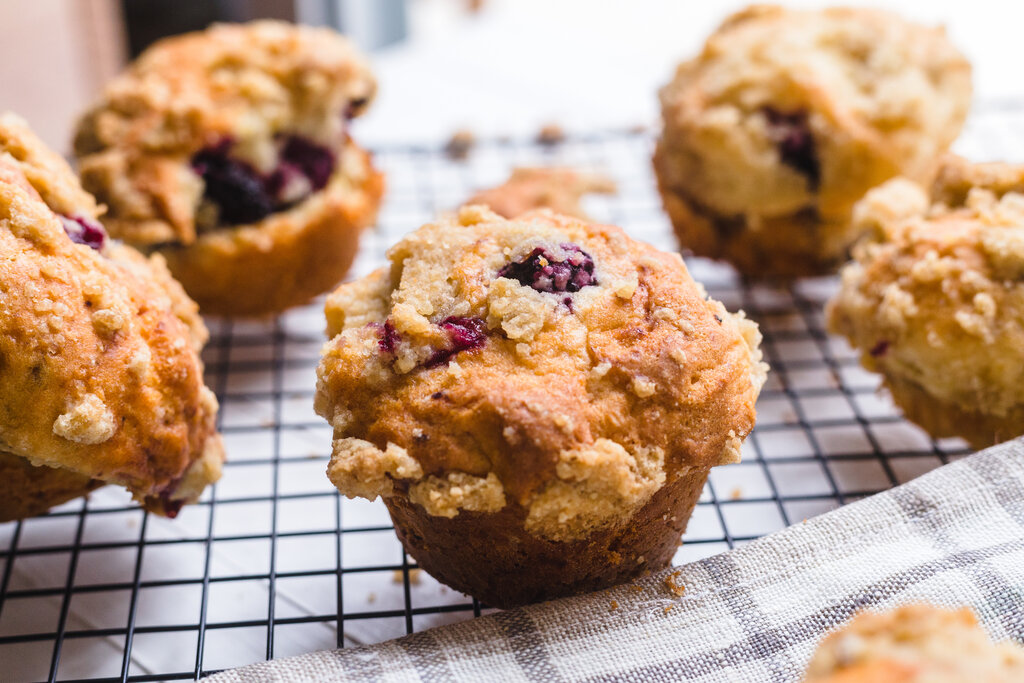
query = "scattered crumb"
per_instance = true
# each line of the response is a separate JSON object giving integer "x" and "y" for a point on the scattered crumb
{"x": 551, "y": 134}
{"x": 371, "y": 598}
{"x": 736, "y": 493}
{"x": 460, "y": 144}
{"x": 636, "y": 589}
{"x": 638, "y": 128}
{"x": 312, "y": 455}
{"x": 672, "y": 582}
{"x": 667, "y": 608}
{"x": 615, "y": 604}
{"x": 560, "y": 189}
{"x": 414, "y": 576}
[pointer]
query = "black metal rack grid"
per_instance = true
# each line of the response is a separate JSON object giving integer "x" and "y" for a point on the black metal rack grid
{"x": 272, "y": 562}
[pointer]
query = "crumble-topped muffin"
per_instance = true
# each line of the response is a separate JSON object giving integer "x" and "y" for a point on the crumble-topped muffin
{"x": 538, "y": 401}
{"x": 101, "y": 380}
{"x": 934, "y": 300}
{"x": 227, "y": 151}
{"x": 915, "y": 644}
{"x": 558, "y": 189}
{"x": 787, "y": 117}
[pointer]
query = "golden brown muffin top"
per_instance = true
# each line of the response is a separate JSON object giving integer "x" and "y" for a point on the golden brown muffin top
{"x": 101, "y": 374}
{"x": 915, "y": 644}
{"x": 786, "y": 109}
{"x": 558, "y": 189}
{"x": 244, "y": 84}
{"x": 936, "y": 295}
{"x": 541, "y": 362}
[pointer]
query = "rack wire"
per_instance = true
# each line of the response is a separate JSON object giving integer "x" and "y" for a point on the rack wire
{"x": 273, "y": 562}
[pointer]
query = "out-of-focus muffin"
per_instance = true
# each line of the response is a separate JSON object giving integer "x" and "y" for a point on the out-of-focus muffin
{"x": 227, "y": 151}
{"x": 915, "y": 644}
{"x": 787, "y": 117}
{"x": 934, "y": 299}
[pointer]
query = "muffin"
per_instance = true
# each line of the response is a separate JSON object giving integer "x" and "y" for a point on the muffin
{"x": 558, "y": 189}
{"x": 787, "y": 117}
{"x": 538, "y": 401}
{"x": 101, "y": 380}
{"x": 227, "y": 152}
{"x": 915, "y": 644}
{"x": 934, "y": 299}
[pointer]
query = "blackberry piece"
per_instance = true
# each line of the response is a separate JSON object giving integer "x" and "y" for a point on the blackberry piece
{"x": 83, "y": 230}
{"x": 543, "y": 273}
{"x": 238, "y": 190}
{"x": 464, "y": 334}
{"x": 792, "y": 136}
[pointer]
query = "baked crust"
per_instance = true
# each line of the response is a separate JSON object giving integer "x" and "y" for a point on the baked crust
{"x": 934, "y": 300}
{"x": 287, "y": 258}
{"x": 787, "y": 117}
{"x": 558, "y": 189}
{"x": 101, "y": 376}
{"x": 571, "y": 412}
{"x": 915, "y": 644}
{"x": 241, "y": 91}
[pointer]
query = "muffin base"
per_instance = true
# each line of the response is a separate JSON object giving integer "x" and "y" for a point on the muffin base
{"x": 493, "y": 558}
{"x": 943, "y": 419}
{"x": 802, "y": 244}
{"x": 289, "y": 257}
{"x": 27, "y": 490}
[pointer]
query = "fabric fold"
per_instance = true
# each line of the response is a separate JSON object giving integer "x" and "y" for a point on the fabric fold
{"x": 954, "y": 536}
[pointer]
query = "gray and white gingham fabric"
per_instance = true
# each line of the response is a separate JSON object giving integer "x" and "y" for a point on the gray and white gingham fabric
{"x": 954, "y": 536}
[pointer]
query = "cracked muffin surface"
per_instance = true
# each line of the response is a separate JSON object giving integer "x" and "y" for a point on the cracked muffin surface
{"x": 934, "y": 299}
{"x": 101, "y": 380}
{"x": 787, "y": 117}
{"x": 915, "y": 644}
{"x": 228, "y": 151}
{"x": 540, "y": 379}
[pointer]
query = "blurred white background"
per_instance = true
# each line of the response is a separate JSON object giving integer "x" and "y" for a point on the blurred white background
{"x": 504, "y": 69}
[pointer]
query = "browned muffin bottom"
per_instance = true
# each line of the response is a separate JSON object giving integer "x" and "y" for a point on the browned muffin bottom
{"x": 228, "y": 152}
{"x": 101, "y": 380}
{"x": 787, "y": 117}
{"x": 538, "y": 401}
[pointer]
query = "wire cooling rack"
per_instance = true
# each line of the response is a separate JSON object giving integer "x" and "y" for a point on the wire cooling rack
{"x": 273, "y": 562}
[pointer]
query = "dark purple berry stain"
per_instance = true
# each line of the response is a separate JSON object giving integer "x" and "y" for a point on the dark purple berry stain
{"x": 238, "y": 189}
{"x": 387, "y": 337}
{"x": 464, "y": 334}
{"x": 879, "y": 349}
{"x": 543, "y": 273}
{"x": 244, "y": 195}
{"x": 83, "y": 230}
{"x": 793, "y": 139}
{"x": 301, "y": 156}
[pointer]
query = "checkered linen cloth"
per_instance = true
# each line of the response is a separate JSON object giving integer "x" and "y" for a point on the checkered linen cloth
{"x": 952, "y": 537}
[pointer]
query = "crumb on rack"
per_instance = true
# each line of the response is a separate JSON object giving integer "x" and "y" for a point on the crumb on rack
{"x": 551, "y": 134}
{"x": 736, "y": 493}
{"x": 371, "y": 598}
{"x": 460, "y": 144}
{"x": 674, "y": 583}
{"x": 668, "y": 607}
{"x": 397, "y": 576}
{"x": 615, "y": 604}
